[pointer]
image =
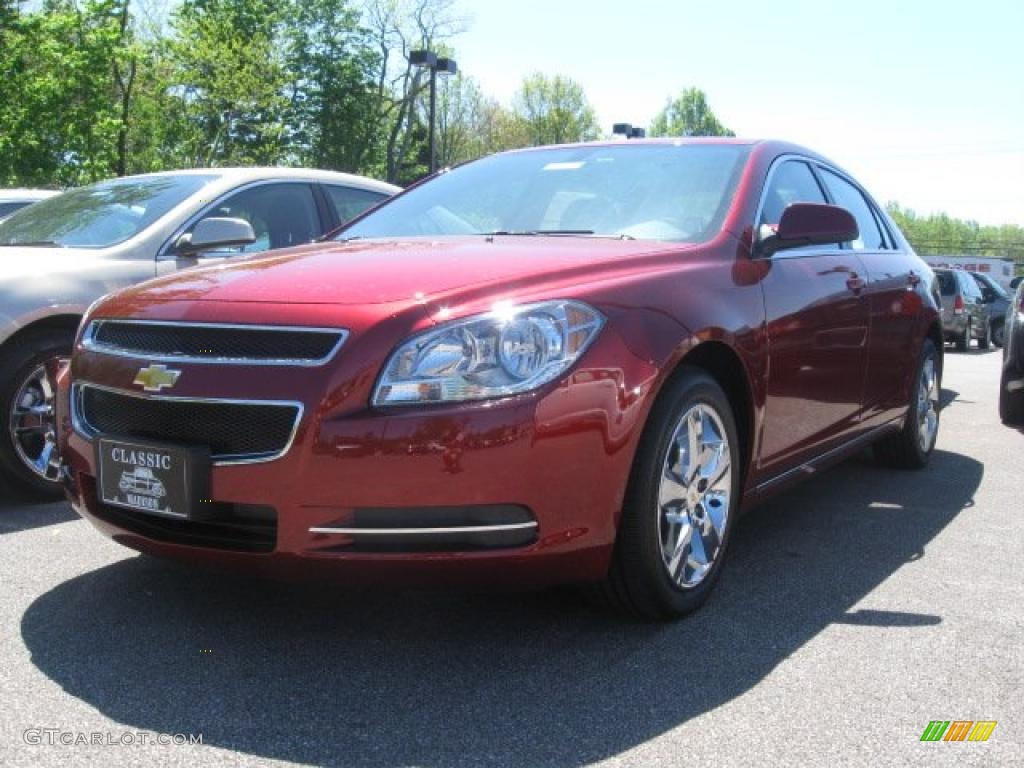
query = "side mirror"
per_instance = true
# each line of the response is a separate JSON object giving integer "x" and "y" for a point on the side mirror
{"x": 810, "y": 224}
{"x": 215, "y": 232}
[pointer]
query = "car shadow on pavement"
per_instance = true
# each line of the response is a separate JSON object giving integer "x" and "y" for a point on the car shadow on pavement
{"x": 314, "y": 675}
{"x": 947, "y": 396}
{"x": 21, "y": 511}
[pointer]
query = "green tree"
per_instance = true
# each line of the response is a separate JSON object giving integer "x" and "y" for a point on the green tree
{"x": 688, "y": 115}
{"x": 329, "y": 66}
{"x": 554, "y": 110}
{"x": 942, "y": 235}
{"x": 230, "y": 79}
{"x": 59, "y": 117}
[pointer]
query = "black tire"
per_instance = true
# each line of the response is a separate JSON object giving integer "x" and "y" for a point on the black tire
{"x": 903, "y": 449}
{"x": 999, "y": 333}
{"x": 1011, "y": 404}
{"x": 638, "y": 582}
{"x": 985, "y": 342}
{"x": 964, "y": 341}
{"x": 16, "y": 363}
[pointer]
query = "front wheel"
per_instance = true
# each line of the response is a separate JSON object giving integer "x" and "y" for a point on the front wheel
{"x": 912, "y": 446}
{"x": 28, "y": 443}
{"x": 681, "y": 503}
{"x": 1011, "y": 400}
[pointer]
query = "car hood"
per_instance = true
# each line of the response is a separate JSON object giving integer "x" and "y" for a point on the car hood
{"x": 384, "y": 272}
{"x": 18, "y": 261}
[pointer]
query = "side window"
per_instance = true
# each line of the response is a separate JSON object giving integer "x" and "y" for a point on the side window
{"x": 850, "y": 198}
{"x": 970, "y": 288}
{"x": 986, "y": 293}
{"x": 792, "y": 182}
{"x": 281, "y": 215}
{"x": 349, "y": 202}
{"x": 947, "y": 283}
{"x": 6, "y": 209}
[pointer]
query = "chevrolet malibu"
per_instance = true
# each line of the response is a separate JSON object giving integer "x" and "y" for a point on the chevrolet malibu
{"x": 572, "y": 364}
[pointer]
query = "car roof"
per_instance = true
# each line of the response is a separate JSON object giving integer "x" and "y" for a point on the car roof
{"x": 773, "y": 146}
{"x": 232, "y": 176}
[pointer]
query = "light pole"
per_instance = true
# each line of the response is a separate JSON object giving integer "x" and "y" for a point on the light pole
{"x": 445, "y": 66}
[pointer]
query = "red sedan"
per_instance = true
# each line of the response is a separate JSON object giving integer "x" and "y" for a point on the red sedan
{"x": 563, "y": 364}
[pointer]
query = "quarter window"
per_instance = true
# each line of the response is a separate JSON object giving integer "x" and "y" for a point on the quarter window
{"x": 349, "y": 202}
{"x": 850, "y": 198}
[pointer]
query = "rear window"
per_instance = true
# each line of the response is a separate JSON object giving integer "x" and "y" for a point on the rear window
{"x": 947, "y": 283}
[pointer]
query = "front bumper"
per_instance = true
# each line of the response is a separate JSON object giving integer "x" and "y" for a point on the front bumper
{"x": 540, "y": 478}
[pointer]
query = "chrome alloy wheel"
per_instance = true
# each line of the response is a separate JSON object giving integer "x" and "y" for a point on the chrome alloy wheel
{"x": 33, "y": 423}
{"x": 693, "y": 497}
{"x": 927, "y": 405}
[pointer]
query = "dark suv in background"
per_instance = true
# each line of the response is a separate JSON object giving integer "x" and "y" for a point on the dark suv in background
{"x": 964, "y": 314}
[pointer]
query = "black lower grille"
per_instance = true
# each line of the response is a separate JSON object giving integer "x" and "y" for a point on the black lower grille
{"x": 232, "y": 430}
{"x": 232, "y": 527}
{"x": 216, "y": 342}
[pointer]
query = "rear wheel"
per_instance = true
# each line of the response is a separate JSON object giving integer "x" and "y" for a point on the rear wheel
{"x": 986, "y": 341}
{"x": 912, "y": 446}
{"x": 681, "y": 504}
{"x": 28, "y": 443}
{"x": 964, "y": 341}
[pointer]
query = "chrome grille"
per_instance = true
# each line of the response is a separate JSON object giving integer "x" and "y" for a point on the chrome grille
{"x": 214, "y": 342}
{"x": 236, "y": 431}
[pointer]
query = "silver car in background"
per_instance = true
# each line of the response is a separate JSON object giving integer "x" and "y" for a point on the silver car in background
{"x": 60, "y": 255}
{"x": 12, "y": 200}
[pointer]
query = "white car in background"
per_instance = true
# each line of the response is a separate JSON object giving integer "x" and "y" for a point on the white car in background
{"x": 12, "y": 200}
{"x": 60, "y": 255}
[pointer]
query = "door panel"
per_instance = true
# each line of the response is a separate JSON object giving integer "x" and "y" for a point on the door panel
{"x": 817, "y": 322}
{"x": 817, "y": 354}
{"x": 895, "y": 306}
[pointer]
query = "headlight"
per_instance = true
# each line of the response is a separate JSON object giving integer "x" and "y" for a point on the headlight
{"x": 504, "y": 352}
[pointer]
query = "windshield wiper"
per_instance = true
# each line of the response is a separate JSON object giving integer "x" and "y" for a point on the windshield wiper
{"x": 31, "y": 244}
{"x": 556, "y": 233}
{"x": 535, "y": 232}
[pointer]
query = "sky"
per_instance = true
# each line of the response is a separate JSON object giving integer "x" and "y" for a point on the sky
{"x": 923, "y": 102}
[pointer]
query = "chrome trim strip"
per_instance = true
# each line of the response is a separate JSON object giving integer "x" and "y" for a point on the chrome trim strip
{"x": 84, "y": 430}
{"x": 94, "y": 346}
{"x": 426, "y": 531}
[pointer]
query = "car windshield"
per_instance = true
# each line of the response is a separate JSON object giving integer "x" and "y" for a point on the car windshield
{"x": 996, "y": 288}
{"x": 102, "y": 214}
{"x": 672, "y": 192}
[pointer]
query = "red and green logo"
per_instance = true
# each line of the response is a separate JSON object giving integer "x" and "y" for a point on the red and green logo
{"x": 958, "y": 730}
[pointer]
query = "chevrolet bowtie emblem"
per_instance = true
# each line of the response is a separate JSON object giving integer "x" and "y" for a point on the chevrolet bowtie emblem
{"x": 155, "y": 377}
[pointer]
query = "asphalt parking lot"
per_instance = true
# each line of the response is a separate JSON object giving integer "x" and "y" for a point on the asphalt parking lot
{"x": 854, "y": 610}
